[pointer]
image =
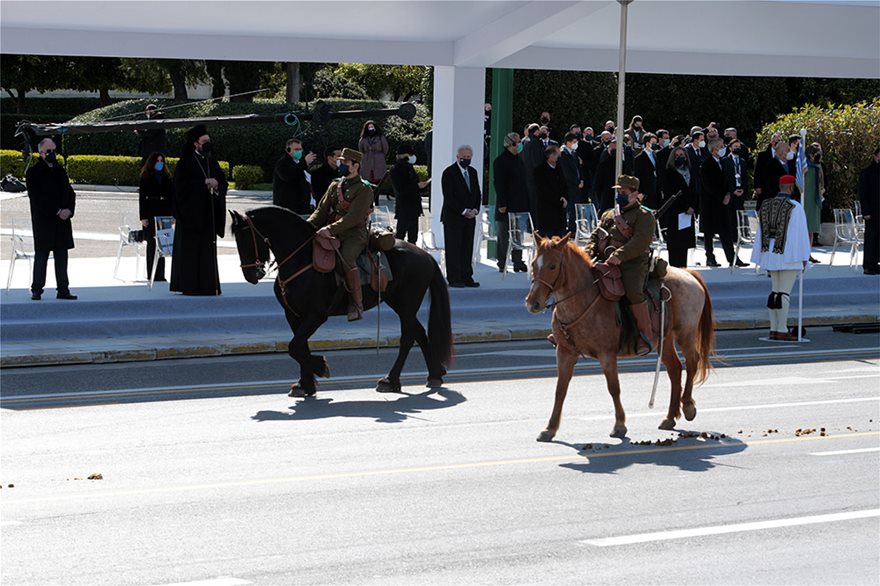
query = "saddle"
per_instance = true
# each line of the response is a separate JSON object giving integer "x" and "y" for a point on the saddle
{"x": 655, "y": 292}
{"x": 374, "y": 267}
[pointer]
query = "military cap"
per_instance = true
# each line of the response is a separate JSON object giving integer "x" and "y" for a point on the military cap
{"x": 351, "y": 155}
{"x": 787, "y": 180}
{"x": 627, "y": 181}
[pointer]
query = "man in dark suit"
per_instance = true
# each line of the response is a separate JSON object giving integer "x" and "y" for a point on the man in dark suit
{"x": 646, "y": 167}
{"x": 697, "y": 153}
{"x": 869, "y": 197}
{"x": 511, "y": 196}
{"x": 461, "y": 205}
{"x": 713, "y": 206}
{"x": 533, "y": 155}
{"x": 52, "y": 202}
{"x": 734, "y": 166}
{"x": 290, "y": 186}
{"x": 326, "y": 173}
{"x": 605, "y": 177}
{"x": 573, "y": 173}
{"x": 763, "y": 186}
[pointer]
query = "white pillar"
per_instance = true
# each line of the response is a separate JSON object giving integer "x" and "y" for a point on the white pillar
{"x": 459, "y": 97}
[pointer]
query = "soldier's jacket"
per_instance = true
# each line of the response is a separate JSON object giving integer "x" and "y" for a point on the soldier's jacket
{"x": 640, "y": 221}
{"x": 346, "y": 216}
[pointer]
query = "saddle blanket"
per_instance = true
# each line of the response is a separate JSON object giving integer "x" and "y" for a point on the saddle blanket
{"x": 366, "y": 268}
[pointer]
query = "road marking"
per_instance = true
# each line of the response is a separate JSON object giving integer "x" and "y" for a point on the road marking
{"x": 844, "y": 452}
{"x": 8, "y": 523}
{"x": 734, "y": 528}
{"x": 771, "y": 382}
{"x": 221, "y": 581}
{"x": 703, "y": 445}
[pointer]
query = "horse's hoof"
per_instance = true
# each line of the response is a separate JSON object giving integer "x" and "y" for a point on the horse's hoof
{"x": 546, "y": 436}
{"x": 386, "y": 386}
{"x": 667, "y": 424}
{"x": 434, "y": 383}
{"x": 297, "y": 391}
{"x": 326, "y": 372}
{"x": 619, "y": 431}
{"x": 690, "y": 411}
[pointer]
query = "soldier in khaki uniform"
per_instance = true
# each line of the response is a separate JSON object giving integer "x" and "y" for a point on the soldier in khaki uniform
{"x": 343, "y": 213}
{"x": 626, "y": 239}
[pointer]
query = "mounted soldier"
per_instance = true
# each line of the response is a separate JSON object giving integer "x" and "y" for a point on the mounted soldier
{"x": 343, "y": 213}
{"x": 623, "y": 238}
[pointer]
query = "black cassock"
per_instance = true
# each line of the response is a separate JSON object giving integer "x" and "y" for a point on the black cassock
{"x": 200, "y": 218}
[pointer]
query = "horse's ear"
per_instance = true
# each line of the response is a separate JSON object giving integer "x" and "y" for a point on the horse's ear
{"x": 234, "y": 215}
{"x": 538, "y": 238}
{"x": 564, "y": 240}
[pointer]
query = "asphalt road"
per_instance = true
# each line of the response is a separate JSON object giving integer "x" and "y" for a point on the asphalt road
{"x": 450, "y": 486}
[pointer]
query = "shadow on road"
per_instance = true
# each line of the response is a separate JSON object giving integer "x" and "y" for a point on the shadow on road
{"x": 690, "y": 454}
{"x": 383, "y": 411}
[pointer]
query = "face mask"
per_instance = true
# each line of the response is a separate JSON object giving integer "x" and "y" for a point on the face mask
{"x": 412, "y": 159}
{"x": 50, "y": 156}
{"x": 638, "y": 125}
{"x": 207, "y": 148}
{"x": 722, "y": 151}
{"x": 573, "y": 147}
{"x": 159, "y": 165}
{"x": 665, "y": 142}
{"x": 544, "y": 136}
{"x": 789, "y": 155}
{"x": 297, "y": 155}
{"x": 702, "y": 144}
{"x": 681, "y": 161}
{"x": 545, "y": 119}
{"x": 342, "y": 169}
{"x": 465, "y": 163}
{"x": 519, "y": 147}
{"x": 371, "y": 131}
{"x": 621, "y": 199}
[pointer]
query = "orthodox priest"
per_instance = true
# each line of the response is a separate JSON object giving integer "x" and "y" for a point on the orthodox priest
{"x": 782, "y": 247}
{"x": 200, "y": 213}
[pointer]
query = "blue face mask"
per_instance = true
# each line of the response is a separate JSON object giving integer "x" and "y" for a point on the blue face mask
{"x": 297, "y": 155}
{"x": 519, "y": 147}
{"x": 159, "y": 165}
{"x": 342, "y": 169}
{"x": 665, "y": 142}
{"x": 622, "y": 199}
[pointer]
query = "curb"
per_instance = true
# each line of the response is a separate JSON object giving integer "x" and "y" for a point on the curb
{"x": 280, "y": 347}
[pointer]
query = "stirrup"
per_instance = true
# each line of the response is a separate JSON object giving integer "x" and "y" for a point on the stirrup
{"x": 643, "y": 345}
{"x": 355, "y": 313}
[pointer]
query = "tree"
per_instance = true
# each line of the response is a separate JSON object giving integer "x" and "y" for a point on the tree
{"x": 245, "y": 76}
{"x": 215, "y": 74}
{"x": 400, "y": 82}
{"x": 22, "y": 73}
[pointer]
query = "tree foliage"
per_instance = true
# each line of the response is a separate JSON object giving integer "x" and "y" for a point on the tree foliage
{"x": 399, "y": 82}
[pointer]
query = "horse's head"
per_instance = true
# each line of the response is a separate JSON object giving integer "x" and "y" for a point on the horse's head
{"x": 253, "y": 247}
{"x": 546, "y": 270}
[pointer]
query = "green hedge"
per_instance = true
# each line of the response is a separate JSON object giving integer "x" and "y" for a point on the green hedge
{"x": 257, "y": 144}
{"x": 246, "y": 175}
{"x": 848, "y": 135}
{"x": 12, "y": 163}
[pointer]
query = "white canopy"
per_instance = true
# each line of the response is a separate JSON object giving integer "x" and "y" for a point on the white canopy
{"x": 830, "y": 38}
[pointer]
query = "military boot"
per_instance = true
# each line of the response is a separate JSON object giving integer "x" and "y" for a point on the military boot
{"x": 356, "y": 296}
{"x": 640, "y": 313}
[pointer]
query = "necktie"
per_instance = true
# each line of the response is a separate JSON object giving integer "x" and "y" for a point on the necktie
{"x": 467, "y": 179}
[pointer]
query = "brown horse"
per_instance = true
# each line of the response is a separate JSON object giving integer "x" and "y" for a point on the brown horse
{"x": 585, "y": 323}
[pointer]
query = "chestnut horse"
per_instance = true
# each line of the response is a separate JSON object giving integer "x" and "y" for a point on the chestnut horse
{"x": 562, "y": 269}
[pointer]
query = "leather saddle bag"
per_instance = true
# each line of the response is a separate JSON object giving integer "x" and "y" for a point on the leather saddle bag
{"x": 378, "y": 276}
{"x": 324, "y": 254}
{"x": 610, "y": 281}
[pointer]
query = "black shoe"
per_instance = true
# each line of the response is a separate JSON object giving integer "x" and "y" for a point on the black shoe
{"x": 867, "y": 272}
{"x": 500, "y": 268}
{"x": 160, "y": 280}
{"x": 471, "y": 283}
{"x": 711, "y": 262}
{"x": 456, "y": 285}
{"x": 36, "y": 296}
{"x": 741, "y": 264}
{"x": 68, "y": 296}
{"x": 520, "y": 268}
{"x": 815, "y": 261}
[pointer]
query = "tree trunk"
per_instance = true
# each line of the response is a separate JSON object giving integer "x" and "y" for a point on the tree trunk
{"x": 294, "y": 83}
{"x": 178, "y": 80}
{"x": 215, "y": 72}
{"x": 104, "y": 95}
{"x": 19, "y": 100}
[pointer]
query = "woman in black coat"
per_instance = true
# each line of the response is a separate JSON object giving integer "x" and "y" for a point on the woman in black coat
{"x": 154, "y": 199}
{"x": 407, "y": 194}
{"x": 550, "y": 187}
{"x": 677, "y": 177}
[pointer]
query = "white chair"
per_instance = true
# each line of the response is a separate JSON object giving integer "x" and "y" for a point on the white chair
{"x": 860, "y": 220}
{"x": 746, "y": 228}
{"x": 22, "y": 248}
{"x": 428, "y": 241}
{"x": 164, "y": 243}
{"x": 130, "y": 223}
{"x": 488, "y": 231}
{"x": 381, "y": 218}
{"x": 586, "y": 220}
{"x": 846, "y": 234}
{"x": 521, "y": 237}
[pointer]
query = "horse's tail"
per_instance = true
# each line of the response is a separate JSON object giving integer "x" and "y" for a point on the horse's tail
{"x": 705, "y": 343}
{"x": 440, "y": 320}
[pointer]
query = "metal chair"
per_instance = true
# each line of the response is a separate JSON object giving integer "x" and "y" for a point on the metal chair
{"x": 488, "y": 231}
{"x": 746, "y": 228}
{"x": 22, "y": 248}
{"x": 428, "y": 241}
{"x": 860, "y": 220}
{"x": 845, "y": 233}
{"x": 586, "y": 220}
{"x": 164, "y": 243}
{"x": 521, "y": 237}
{"x": 130, "y": 224}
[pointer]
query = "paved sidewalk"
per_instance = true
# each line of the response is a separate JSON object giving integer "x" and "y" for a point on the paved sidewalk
{"x": 115, "y": 321}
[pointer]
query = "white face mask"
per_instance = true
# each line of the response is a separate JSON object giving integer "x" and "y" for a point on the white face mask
{"x": 722, "y": 151}
{"x": 789, "y": 155}
{"x": 573, "y": 147}
{"x": 702, "y": 144}
{"x": 412, "y": 159}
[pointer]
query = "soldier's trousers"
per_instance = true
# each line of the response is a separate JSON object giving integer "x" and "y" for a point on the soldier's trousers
{"x": 634, "y": 273}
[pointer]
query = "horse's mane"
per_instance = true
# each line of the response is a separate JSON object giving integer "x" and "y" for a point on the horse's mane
{"x": 572, "y": 246}
{"x": 283, "y": 214}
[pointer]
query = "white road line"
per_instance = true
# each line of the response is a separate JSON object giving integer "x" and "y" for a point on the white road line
{"x": 8, "y": 523}
{"x": 844, "y": 452}
{"x": 221, "y": 581}
{"x": 734, "y": 528}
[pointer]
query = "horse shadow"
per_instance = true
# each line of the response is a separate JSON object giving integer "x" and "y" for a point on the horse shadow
{"x": 690, "y": 452}
{"x": 407, "y": 406}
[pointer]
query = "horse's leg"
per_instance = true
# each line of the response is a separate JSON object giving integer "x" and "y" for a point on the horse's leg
{"x": 436, "y": 371}
{"x": 298, "y": 348}
{"x": 673, "y": 369}
{"x": 565, "y": 361}
{"x": 609, "y": 368}
{"x": 391, "y": 382}
{"x": 692, "y": 359}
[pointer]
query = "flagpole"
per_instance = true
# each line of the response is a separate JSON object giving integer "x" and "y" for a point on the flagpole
{"x": 800, "y": 325}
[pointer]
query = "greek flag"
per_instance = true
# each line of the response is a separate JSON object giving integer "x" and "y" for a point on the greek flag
{"x": 801, "y": 161}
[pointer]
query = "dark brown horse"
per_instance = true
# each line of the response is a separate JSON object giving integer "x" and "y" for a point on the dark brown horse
{"x": 309, "y": 297}
{"x": 585, "y": 323}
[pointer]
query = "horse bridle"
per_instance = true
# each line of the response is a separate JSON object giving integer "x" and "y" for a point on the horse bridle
{"x": 257, "y": 264}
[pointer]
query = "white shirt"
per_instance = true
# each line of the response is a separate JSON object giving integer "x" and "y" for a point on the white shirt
{"x": 797, "y": 245}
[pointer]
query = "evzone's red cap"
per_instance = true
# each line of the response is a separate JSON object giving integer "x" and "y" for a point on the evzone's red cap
{"x": 786, "y": 180}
